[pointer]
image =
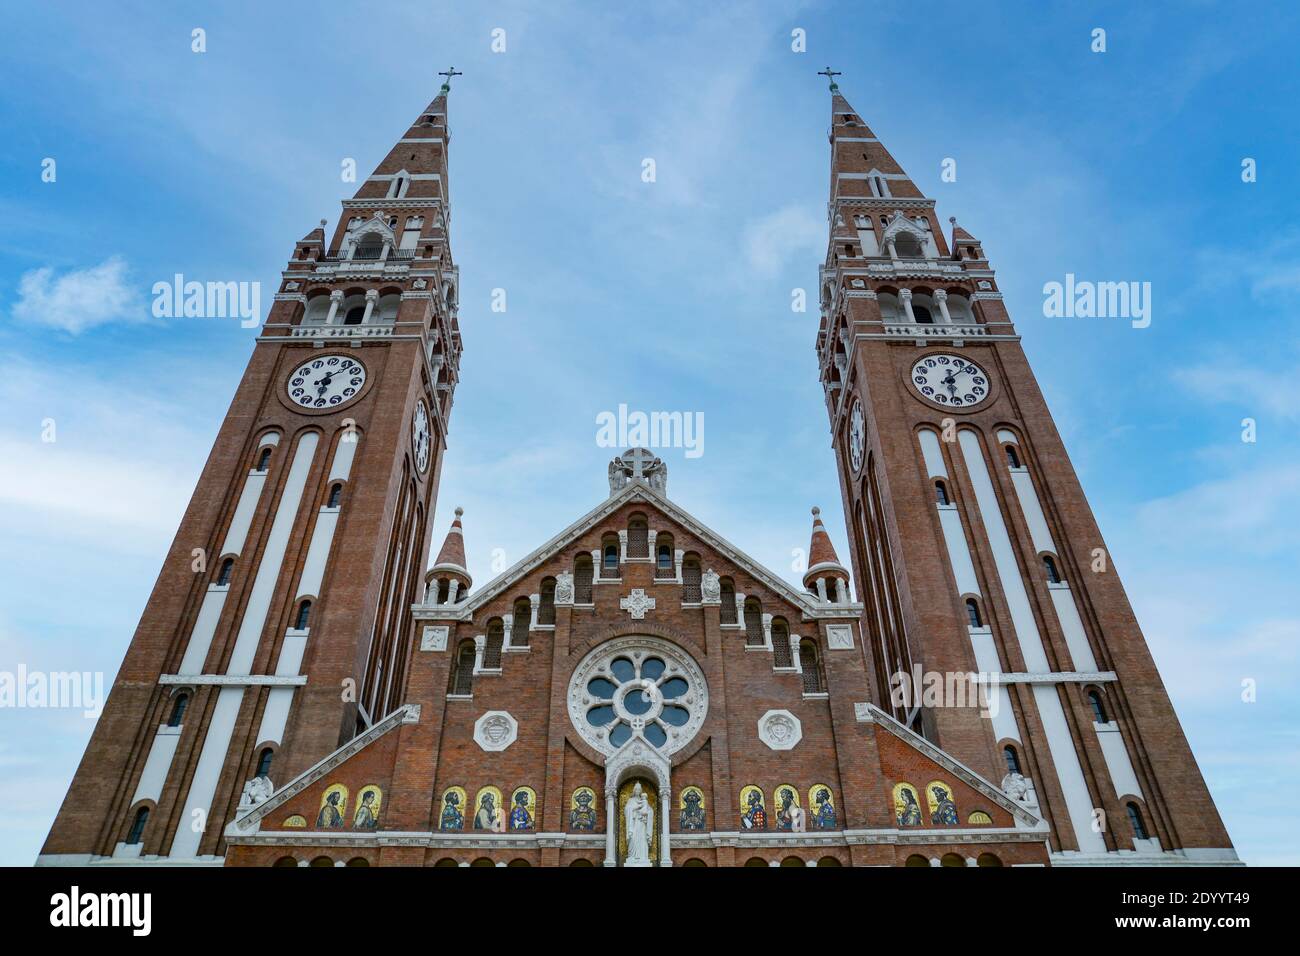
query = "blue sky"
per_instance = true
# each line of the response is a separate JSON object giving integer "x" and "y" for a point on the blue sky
{"x": 1123, "y": 165}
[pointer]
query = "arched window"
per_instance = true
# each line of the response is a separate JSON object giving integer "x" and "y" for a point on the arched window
{"x": 923, "y": 316}
{"x": 1013, "y": 459}
{"x": 142, "y": 819}
{"x": 444, "y": 590}
{"x": 781, "y": 656}
{"x": 523, "y": 615}
{"x": 223, "y": 576}
{"x": 988, "y": 859}
{"x": 1098, "y": 711}
{"x": 264, "y": 762}
{"x": 916, "y": 860}
{"x": 812, "y": 668}
{"x": 753, "y": 622}
{"x": 665, "y": 566}
{"x": 179, "y": 704}
{"x": 908, "y": 246}
{"x": 691, "y": 580}
{"x": 546, "y": 608}
{"x": 638, "y": 538}
{"x": 1135, "y": 819}
{"x": 264, "y": 459}
{"x": 609, "y": 556}
{"x": 727, "y": 593}
{"x": 952, "y": 859}
{"x": 941, "y": 493}
{"x": 581, "y": 579}
{"x": 358, "y": 312}
{"x": 496, "y": 636}
{"x": 1012, "y": 758}
{"x": 304, "y": 616}
{"x": 462, "y": 674}
{"x": 1049, "y": 565}
{"x": 336, "y": 494}
{"x": 973, "y": 613}
{"x": 285, "y": 861}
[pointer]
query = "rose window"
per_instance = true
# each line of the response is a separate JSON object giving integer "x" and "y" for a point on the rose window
{"x": 643, "y": 687}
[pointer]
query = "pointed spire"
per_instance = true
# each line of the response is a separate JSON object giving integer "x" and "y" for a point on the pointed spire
{"x": 861, "y": 167}
{"x": 823, "y": 562}
{"x": 452, "y": 555}
{"x": 958, "y": 232}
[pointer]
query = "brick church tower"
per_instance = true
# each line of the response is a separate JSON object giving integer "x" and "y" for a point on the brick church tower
{"x": 278, "y": 627}
{"x": 972, "y": 542}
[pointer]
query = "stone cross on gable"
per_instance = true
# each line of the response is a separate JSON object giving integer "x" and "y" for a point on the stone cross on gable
{"x": 640, "y": 459}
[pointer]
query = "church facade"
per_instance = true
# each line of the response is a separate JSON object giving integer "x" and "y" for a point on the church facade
{"x": 637, "y": 691}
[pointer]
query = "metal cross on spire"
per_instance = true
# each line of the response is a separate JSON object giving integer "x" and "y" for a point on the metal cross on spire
{"x": 830, "y": 75}
{"x": 449, "y": 73}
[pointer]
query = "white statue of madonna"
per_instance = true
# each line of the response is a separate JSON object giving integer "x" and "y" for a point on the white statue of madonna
{"x": 639, "y": 822}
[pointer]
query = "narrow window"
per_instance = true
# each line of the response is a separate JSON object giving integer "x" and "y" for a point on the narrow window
{"x": 264, "y": 459}
{"x": 665, "y": 559}
{"x": 358, "y": 312}
{"x": 781, "y": 644}
{"x": 142, "y": 818}
{"x": 973, "y": 613}
{"x": 610, "y": 563}
{"x": 812, "y": 670}
{"x": 1053, "y": 576}
{"x": 462, "y": 675}
{"x": 1098, "y": 711}
{"x": 524, "y": 614}
{"x": 304, "y": 615}
{"x": 546, "y": 607}
{"x": 444, "y": 590}
{"x": 727, "y": 592}
{"x": 1135, "y": 818}
{"x": 223, "y": 576}
{"x": 336, "y": 493}
{"x": 638, "y": 539}
{"x": 941, "y": 493}
{"x": 1013, "y": 761}
{"x": 1013, "y": 459}
{"x": 496, "y": 636}
{"x": 181, "y": 702}
{"x": 691, "y": 581}
{"x": 753, "y": 622}
{"x": 923, "y": 316}
{"x": 264, "y": 762}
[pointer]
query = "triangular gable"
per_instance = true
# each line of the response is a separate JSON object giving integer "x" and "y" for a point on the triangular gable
{"x": 639, "y": 491}
{"x": 959, "y": 770}
{"x": 249, "y": 821}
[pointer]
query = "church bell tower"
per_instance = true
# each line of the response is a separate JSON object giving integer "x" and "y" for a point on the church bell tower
{"x": 973, "y": 545}
{"x": 278, "y": 626}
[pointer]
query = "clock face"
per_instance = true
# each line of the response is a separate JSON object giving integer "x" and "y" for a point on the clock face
{"x": 420, "y": 435}
{"x": 857, "y": 435}
{"x": 326, "y": 381}
{"x": 950, "y": 381}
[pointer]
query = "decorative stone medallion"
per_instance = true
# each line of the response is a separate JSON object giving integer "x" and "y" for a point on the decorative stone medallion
{"x": 434, "y": 638}
{"x": 637, "y": 603}
{"x": 780, "y": 729}
{"x": 839, "y": 637}
{"x": 495, "y": 730}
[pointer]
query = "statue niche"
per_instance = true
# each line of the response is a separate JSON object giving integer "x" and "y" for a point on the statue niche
{"x": 638, "y": 823}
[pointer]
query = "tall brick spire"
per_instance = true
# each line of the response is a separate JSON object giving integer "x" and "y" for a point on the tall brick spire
{"x": 861, "y": 166}
{"x": 450, "y": 565}
{"x": 823, "y": 564}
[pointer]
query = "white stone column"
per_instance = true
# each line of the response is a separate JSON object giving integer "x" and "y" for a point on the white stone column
{"x": 740, "y": 609}
{"x": 336, "y": 299}
{"x": 941, "y": 297}
{"x": 821, "y": 590}
{"x": 767, "y": 630}
{"x": 651, "y": 537}
{"x": 508, "y": 621}
{"x": 596, "y": 558}
{"x": 453, "y": 586}
{"x": 905, "y": 297}
{"x": 677, "y": 562}
{"x": 794, "y": 653}
{"x": 622, "y": 546}
{"x": 841, "y": 592}
{"x": 480, "y": 644}
{"x": 891, "y": 248}
{"x": 665, "y": 795}
{"x": 534, "y": 600}
{"x": 372, "y": 296}
{"x": 611, "y": 827}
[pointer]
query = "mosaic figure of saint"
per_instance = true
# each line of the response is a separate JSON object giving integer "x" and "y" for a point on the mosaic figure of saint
{"x": 489, "y": 815}
{"x": 785, "y": 813}
{"x": 943, "y": 810}
{"x": 583, "y": 816}
{"x": 909, "y": 811}
{"x": 452, "y": 818}
{"x": 824, "y": 817}
{"x": 365, "y": 818}
{"x": 520, "y": 818}
{"x": 755, "y": 817}
{"x": 330, "y": 816}
{"x": 692, "y": 817}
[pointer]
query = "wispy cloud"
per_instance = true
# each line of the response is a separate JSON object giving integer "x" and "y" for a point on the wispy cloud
{"x": 792, "y": 232}
{"x": 80, "y": 299}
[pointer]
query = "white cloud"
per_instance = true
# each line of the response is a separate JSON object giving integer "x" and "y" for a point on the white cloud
{"x": 792, "y": 232}
{"x": 1254, "y": 389}
{"x": 78, "y": 300}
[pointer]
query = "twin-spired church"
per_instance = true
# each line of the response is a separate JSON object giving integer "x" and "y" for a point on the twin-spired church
{"x": 968, "y": 686}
